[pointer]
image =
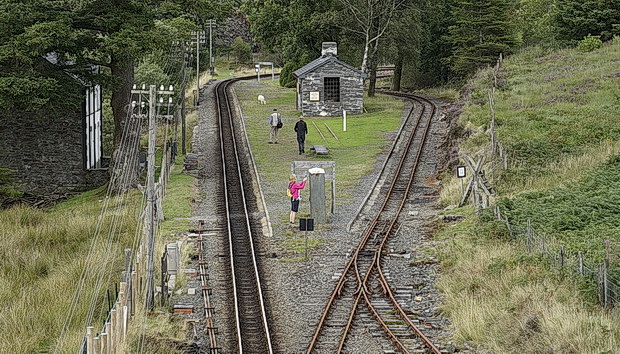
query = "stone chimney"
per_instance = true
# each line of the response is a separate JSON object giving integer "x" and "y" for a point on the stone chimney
{"x": 329, "y": 48}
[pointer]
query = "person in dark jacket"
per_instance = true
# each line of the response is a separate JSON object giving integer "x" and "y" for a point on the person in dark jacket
{"x": 302, "y": 129}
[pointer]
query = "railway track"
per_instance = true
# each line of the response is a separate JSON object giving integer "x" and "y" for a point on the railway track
{"x": 363, "y": 290}
{"x": 251, "y": 325}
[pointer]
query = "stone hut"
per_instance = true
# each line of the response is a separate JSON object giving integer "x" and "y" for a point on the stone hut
{"x": 327, "y": 86}
{"x": 56, "y": 153}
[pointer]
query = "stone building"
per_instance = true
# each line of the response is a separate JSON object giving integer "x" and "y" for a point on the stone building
{"x": 55, "y": 154}
{"x": 327, "y": 86}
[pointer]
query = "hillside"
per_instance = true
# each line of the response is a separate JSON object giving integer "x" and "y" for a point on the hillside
{"x": 558, "y": 117}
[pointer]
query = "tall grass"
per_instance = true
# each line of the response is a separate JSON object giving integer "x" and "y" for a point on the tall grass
{"x": 558, "y": 114}
{"x": 500, "y": 297}
{"x": 42, "y": 257}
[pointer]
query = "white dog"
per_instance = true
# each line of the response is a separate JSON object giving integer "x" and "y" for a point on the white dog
{"x": 261, "y": 99}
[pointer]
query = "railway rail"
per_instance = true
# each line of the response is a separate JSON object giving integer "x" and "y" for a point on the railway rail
{"x": 210, "y": 328}
{"x": 252, "y": 330}
{"x": 363, "y": 282}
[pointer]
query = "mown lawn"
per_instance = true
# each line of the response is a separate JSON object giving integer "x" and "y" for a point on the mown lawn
{"x": 354, "y": 151}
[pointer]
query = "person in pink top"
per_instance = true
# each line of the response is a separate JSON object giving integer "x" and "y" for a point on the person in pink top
{"x": 295, "y": 187}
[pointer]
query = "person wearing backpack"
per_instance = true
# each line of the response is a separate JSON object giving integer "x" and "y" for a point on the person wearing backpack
{"x": 293, "y": 191}
{"x": 275, "y": 123}
{"x": 302, "y": 129}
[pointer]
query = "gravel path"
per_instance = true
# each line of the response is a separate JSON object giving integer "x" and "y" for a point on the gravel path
{"x": 298, "y": 289}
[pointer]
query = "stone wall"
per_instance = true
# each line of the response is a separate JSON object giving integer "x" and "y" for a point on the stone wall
{"x": 48, "y": 154}
{"x": 351, "y": 91}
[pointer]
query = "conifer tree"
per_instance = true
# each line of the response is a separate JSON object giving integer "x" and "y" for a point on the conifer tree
{"x": 576, "y": 19}
{"x": 481, "y": 31}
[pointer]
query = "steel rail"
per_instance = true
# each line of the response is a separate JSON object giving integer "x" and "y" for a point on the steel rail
{"x": 208, "y": 308}
{"x": 378, "y": 252}
{"x": 362, "y": 284}
{"x": 383, "y": 280}
{"x": 223, "y": 102}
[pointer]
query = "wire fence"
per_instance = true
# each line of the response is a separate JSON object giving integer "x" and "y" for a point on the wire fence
{"x": 597, "y": 273}
{"x": 131, "y": 291}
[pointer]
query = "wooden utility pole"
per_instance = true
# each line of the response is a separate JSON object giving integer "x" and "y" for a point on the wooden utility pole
{"x": 211, "y": 23}
{"x": 200, "y": 37}
{"x": 183, "y": 126}
{"x": 197, "y": 67}
{"x": 150, "y": 200}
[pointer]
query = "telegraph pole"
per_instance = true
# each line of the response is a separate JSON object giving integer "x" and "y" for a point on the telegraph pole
{"x": 150, "y": 190}
{"x": 150, "y": 200}
{"x": 183, "y": 127}
{"x": 211, "y": 24}
{"x": 200, "y": 37}
{"x": 197, "y": 67}
{"x": 183, "y": 56}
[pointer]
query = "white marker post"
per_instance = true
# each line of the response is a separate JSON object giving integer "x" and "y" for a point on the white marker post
{"x": 344, "y": 120}
{"x": 461, "y": 173}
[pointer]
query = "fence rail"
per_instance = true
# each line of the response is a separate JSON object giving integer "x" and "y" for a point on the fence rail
{"x": 595, "y": 272}
{"x": 113, "y": 333}
{"x": 535, "y": 242}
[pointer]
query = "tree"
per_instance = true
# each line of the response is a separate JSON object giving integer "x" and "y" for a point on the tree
{"x": 241, "y": 51}
{"x": 292, "y": 29}
{"x": 8, "y": 188}
{"x": 370, "y": 19}
{"x": 481, "y": 31}
{"x": 408, "y": 27}
{"x": 111, "y": 33}
{"x": 534, "y": 21}
{"x": 577, "y": 19}
{"x": 433, "y": 67}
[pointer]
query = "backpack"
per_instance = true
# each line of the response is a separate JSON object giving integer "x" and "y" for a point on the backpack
{"x": 279, "y": 122}
{"x": 288, "y": 191}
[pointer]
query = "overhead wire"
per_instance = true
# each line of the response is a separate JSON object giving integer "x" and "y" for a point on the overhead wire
{"x": 101, "y": 273}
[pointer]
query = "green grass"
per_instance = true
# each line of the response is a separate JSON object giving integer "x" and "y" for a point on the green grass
{"x": 41, "y": 258}
{"x": 177, "y": 203}
{"x": 354, "y": 151}
{"x": 510, "y": 301}
{"x": 558, "y": 115}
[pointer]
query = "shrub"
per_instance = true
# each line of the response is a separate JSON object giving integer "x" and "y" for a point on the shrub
{"x": 8, "y": 188}
{"x": 590, "y": 43}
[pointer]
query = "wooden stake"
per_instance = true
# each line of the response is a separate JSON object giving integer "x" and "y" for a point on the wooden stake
{"x": 89, "y": 339}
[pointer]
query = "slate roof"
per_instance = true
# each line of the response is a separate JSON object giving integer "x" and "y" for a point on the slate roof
{"x": 317, "y": 63}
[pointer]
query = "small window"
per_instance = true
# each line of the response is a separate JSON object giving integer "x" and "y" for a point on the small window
{"x": 332, "y": 89}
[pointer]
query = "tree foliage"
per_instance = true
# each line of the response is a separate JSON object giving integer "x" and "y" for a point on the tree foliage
{"x": 291, "y": 28}
{"x": 577, "y": 19}
{"x": 241, "y": 51}
{"x": 534, "y": 22}
{"x": 481, "y": 31}
{"x": 8, "y": 188}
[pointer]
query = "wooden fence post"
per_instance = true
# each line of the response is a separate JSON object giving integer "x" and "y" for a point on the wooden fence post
{"x": 606, "y": 283}
{"x": 600, "y": 285}
{"x": 89, "y": 339}
{"x": 581, "y": 272}
{"x": 97, "y": 345}
{"x": 105, "y": 342}
{"x": 112, "y": 332}
{"x": 133, "y": 293}
{"x": 529, "y": 235}
{"x": 512, "y": 236}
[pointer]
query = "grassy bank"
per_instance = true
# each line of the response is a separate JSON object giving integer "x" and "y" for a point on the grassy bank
{"x": 41, "y": 259}
{"x": 558, "y": 115}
